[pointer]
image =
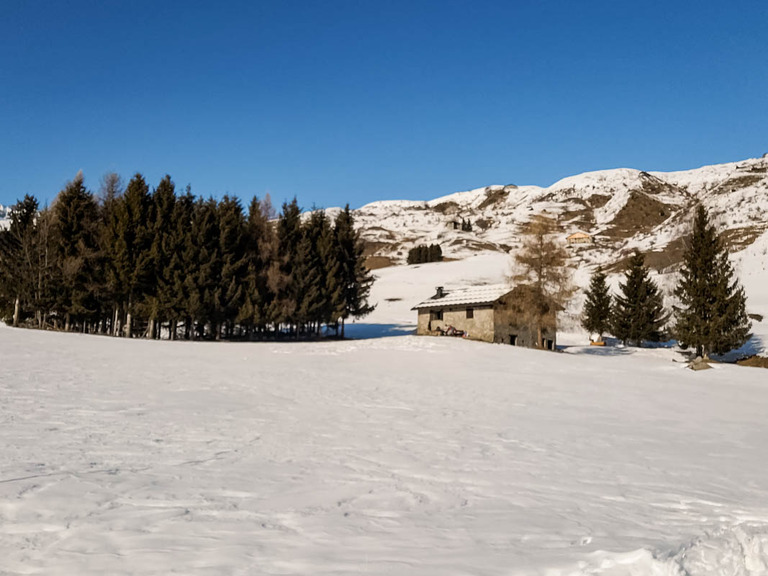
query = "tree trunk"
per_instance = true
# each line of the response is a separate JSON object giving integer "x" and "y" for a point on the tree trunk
{"x": 151, "y": 329}
{"x": 66, "y": 322}
{"x": 16, "y": 306}
{"x": 128, "y": 323}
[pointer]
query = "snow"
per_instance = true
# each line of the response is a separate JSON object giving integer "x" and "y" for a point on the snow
{"x": 736, "y": 194}
{"x": 393, "y": 454}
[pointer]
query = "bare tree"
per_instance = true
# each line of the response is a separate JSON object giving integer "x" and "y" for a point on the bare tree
{"x": 541, "y": 267}
{"x": 110, "y": 188}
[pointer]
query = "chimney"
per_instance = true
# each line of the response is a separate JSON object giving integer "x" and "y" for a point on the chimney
{"x": 439, "y": 292}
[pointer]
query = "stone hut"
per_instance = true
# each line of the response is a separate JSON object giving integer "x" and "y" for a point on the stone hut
{"x": 491, "y": 313}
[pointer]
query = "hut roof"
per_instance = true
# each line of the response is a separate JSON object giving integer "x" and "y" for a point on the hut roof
{"x": 473, "y": 295}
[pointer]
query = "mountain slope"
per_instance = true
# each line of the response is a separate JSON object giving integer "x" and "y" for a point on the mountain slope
{"x": 623, "y": 209}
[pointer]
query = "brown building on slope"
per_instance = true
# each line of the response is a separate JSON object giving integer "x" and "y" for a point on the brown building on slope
{"x": 492, "y": 313}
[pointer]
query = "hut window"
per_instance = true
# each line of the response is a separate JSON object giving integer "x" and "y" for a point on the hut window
{"x": 436, "y": 315}
{"x": 470, "y": 313}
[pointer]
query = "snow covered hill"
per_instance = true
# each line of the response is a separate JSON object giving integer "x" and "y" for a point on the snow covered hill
{"x": 390, "y": 455}
{"x": 5, "y": 220}
{"x": 623, "y": 209}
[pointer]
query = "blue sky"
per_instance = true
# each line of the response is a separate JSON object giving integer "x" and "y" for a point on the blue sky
{"x": 341, "y": 101}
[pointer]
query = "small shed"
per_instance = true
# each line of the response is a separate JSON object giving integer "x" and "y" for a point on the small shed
{"x": 579, "y": 238}
{"x": 490, "y": 313}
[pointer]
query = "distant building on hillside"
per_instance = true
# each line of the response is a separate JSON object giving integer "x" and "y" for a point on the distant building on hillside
{"x": 579, "y": 238}
{"x": 492, "y": 313}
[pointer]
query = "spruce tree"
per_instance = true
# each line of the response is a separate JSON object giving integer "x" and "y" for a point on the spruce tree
{"x": 282, "y": 278}
{"x": 233, "y": 243}
{"x": 254, "y": 311}
{"x": 597, "y": 308}
{"x": 182, "y": 264}
{"x": 711, "y": 317}
{"x": 434, "y": 253}
{"x": 163, "y": 250}
{"x": 204, "y": 288}
{"x": 130, "y": 250}
{"x": 356, "y": 279}
{"x": 110, "y": 208}
{"x": 18, "y": 259}
{"x": 638, "y": 312}
{"x": 75, "y": 220}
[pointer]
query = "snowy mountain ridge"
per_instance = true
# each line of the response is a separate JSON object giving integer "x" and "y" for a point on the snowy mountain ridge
{"x": 622, "y": 209}
{"x": 5, "y": 217}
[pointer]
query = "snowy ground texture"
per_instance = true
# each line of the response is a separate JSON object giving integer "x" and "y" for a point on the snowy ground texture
{"x": 382, "y": 456}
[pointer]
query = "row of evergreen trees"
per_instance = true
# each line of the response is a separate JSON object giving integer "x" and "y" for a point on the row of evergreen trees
{"x": 136, "y": 262}
{"x": 711, "y": 315}
{"x": 422, "y": 254}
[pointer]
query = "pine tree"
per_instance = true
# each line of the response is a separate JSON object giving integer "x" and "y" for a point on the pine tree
{"x": 282, "y": 278}
{"x": 110, "y": 204}
{"x": 233, "y": 243}
{"x": 333, "y": 284}
{"x": 711, "y": 317}
{"x": 204, "y": 286}
{"x": 434, "y": 253}
{"x": 164, "y": 248}
{"x": 597, "y": 308}
{"x": 134, "y": 273}
{"x": 260, "y": 238}
{"x": 18, "y": 259}
{"x": 638, "y": 312}
{"x": 182, "y": 265}
{"x": 75, "y": 220}
{"x": 356, "y": 279}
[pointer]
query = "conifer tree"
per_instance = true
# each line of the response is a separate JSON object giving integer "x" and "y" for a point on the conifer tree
{"x": 182, "y": 265}
{"x": 356, "y": 279}
{"x": 311, "y": 273}
{"x": 711, "y": 317}
{"x": 75, "y": 220}
{"x": 164, "y": 248}
{"x": 597, "y": 308}
{"x": 434, "y": 253}
{"x": 203, "y": 286}
{"x": 333, "y": 284}
{"x": 282, "y": 278}
{"x": 254, "y": 311}
{"x": 638, "y": 312}
{"x": 133, "y": 261}
{"x": 18, "y": 258}
{"x": 110, "y": 194}
{"x": 233, "y": 243}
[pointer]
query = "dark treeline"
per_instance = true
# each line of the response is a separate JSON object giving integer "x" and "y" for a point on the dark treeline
{"x": 423, "y": 254}
{"x": 151, "y": 263}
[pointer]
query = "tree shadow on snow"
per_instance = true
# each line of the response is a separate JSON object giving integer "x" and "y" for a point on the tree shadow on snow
{"x": 362, "y": 331}
{"x": 754, "y": 346}
{"x": 606, "y": 350}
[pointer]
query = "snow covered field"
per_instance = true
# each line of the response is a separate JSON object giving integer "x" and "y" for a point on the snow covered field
{"x": 384, "y": 456}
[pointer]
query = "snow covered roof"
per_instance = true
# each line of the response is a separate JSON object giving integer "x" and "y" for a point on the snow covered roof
{"x": 464, "y": 296}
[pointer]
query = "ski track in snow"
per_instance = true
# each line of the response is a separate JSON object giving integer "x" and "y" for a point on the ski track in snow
{"x": 387, "y": 456}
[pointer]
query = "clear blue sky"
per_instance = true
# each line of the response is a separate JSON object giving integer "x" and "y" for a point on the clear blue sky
{"x": 339, "y": 101}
